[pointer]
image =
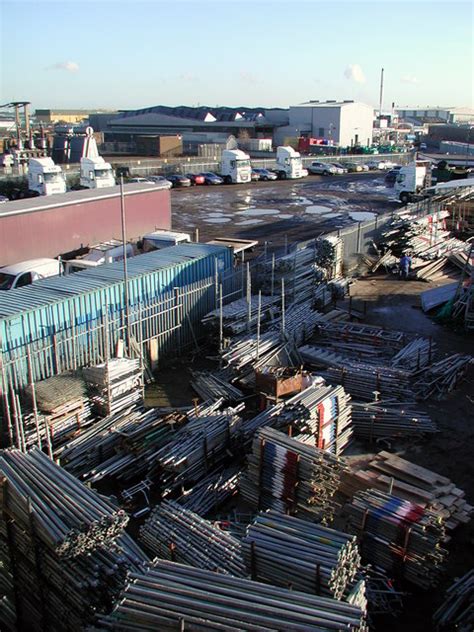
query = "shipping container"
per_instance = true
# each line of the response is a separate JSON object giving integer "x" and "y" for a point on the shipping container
{"x": 67, "y": 322}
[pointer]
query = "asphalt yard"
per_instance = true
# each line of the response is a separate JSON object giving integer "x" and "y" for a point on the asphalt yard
{"x": 284, "y": 209}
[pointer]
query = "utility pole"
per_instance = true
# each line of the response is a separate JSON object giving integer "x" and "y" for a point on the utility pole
{"x": 125, "y": 269}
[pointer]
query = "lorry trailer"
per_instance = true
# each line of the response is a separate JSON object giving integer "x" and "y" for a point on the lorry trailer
{"x": 62, "y": 224}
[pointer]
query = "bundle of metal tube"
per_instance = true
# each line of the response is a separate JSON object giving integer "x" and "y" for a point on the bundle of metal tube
{"x": 63, "y": 552}
{"x": 211, "y": 492}
{"x": 57, "y": 594}
{"x": 180, "y": 535}
{"x": 246, "y": 350}
{"x": 286, "y": 551}
{"x": 389, "y": 419}
{"x": 211, "y": 386}
{"x": 53, "y": 430}
{"x": 69, "y": 517}
{"x": 197, "y": 447}
{"x": 399, "y": 536}
{"x": 115, "y": 384}
{"x": 441, "y": 378}
{"x": 269, "y": 417}
{"x": 414, "y": 355}
{"x": 384, "y": 340}
{"x": 169, "y": 596}
{"x": 291, "y": 477}
{"x": 363, "y": 380}
{"x": 117, "y": 445}
{"x": 301, "y": 321}
{"x": 457, "y": 610}
{"x": 323, "y": 412}
{"x": 239, "y": 316}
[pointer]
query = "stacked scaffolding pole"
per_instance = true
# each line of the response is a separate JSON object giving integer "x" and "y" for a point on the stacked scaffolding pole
{"x": 384, "y": 419}
{"x": 211, "y": 492}
{"x": 398, "y": 536}
{"x": 62, "y": 546}
{"x": 457, "y": 610}
{"x": 286, "y": 551}
{"x": 180, "y": 535}
{"x": 170, "y": 595}
{"x": 291, "y": 477}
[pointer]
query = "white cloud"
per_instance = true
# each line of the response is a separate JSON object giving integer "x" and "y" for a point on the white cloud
{"x": 409, "y": 79}
{"x": 68, "y": 66}
{"x": 354, "y": 73}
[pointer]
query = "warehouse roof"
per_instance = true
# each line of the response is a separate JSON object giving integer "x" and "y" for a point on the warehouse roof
{"x": 329, "y": 104}
{"x": 202, "y": 113}
{"x": 57, "y": 289}
{"x": 41, "y": 203}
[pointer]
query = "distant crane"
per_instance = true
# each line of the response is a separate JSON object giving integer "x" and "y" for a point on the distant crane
{"x": 17, "y": 105}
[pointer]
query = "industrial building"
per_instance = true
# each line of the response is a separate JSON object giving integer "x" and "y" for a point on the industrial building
{"x": 61, "y": 116}
{"x": 419, "y": 116}
{"x": 343, "y": 123}
{"x": 196, "y": 125}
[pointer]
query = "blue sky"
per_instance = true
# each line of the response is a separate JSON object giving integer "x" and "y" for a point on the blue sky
{"x": 109, "y": 54}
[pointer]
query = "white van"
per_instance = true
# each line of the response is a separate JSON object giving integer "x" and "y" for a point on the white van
{"x": 27, "y": 272}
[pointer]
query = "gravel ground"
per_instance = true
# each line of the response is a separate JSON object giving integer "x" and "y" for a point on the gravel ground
{"x": 299, "y": 209}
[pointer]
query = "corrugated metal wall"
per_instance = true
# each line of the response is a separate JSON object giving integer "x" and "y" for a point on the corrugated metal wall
{"x": 65, "y": 323}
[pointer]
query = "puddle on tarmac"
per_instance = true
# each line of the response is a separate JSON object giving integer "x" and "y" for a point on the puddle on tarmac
{"x": 217, "y": 214}
{"x": 255, "y": 212}
{"x": 316, "y": 209}
{"x": 285, "y": 216}
{"x": 217, "y": 220}
{"x": 249, "y": 222}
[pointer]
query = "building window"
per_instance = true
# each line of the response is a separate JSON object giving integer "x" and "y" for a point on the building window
{"x": 321, "y": 132}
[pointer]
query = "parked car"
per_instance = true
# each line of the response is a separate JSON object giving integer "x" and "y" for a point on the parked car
{"x": 177, "y": 180}
{"x": 340, "y": 168}
{"x": 375, "y": 165}
{"x": 195, "y": 178}
{"x": 265, "y": 174}
{"x": 139, "y": 181}
{"x": 365, "y": 167}
{"x": 161, "y": 181}
{"x": 304, "y": 173}
{"x": 211, "y": 178}
{"x": 254, "y": 177}
{"x": 353, "y": 167}
{"x": 322, "y": 169}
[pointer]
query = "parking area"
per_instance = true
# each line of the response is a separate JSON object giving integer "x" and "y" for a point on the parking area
{"x": 285, "y": 209}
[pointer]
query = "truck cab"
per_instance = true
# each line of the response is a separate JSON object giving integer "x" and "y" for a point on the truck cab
{"x": 45, "y": 178}
{"x": 96, "y": 173}
{"x": 235, "y": 166}
{"x": 288, "y": 163}
{"x": 412, "y": 180}
{"x": 159, "y": 239}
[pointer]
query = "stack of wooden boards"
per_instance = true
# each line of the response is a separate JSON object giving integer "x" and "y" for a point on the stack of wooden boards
{"x": 388, "y": 472}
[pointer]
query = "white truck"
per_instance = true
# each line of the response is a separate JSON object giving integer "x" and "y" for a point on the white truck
{"x": 288, "y": 163}
{"x": 45, "y": 178}
{"x": 412, "y": 180}
{"x": 106, "y": 252}
{"x": 96, "y": 173}
{"x": 159, "y": 239}
{"x": 27, "y": 272}
{"x": 235, "y": 166}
